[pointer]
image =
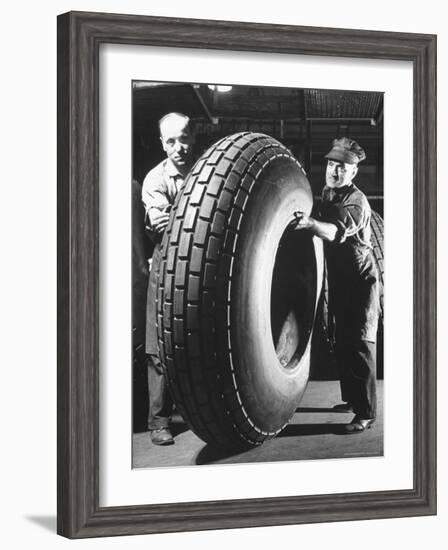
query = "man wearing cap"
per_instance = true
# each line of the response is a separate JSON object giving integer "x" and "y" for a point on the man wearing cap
{"x": 159, "y": 191}
{"x": 344, "y": 225}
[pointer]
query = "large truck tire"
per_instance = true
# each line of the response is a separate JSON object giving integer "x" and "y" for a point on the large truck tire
{"x": 377, "y": 225}
{"x": 238, "y": 292}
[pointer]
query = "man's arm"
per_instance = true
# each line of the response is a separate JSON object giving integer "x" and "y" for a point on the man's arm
{"x": 158, "y": 219}
{"x": 325, "y": 230}
{"x": 155, "y": 202}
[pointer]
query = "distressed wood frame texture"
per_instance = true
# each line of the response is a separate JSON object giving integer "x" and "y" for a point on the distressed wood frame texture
{"x": 79, "y": 38}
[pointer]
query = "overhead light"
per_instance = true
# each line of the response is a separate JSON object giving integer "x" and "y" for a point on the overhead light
{"x": 219, "y": 88}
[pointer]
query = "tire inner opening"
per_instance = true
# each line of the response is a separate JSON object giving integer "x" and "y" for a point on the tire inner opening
{"x": 293, "y": 296}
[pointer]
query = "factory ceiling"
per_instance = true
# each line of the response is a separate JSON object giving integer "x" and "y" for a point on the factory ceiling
{"x": 201, "y": 103}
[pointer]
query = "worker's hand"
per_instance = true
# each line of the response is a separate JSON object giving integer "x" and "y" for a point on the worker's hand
{"x": 160, "y": 221}
{"x": 302, "y": 221}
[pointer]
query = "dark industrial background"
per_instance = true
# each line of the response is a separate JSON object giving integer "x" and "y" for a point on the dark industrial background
{"x": 304, "y": 120}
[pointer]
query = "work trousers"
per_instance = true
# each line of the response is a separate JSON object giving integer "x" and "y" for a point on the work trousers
{"x": 160, "y": 406}
{"x": 160, "y": 403}
{"x": 357, "y": 370}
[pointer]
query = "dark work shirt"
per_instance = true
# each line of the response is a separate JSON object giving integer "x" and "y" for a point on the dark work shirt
{"x": 348, "y": 208}
{"x": 352, "y": 273}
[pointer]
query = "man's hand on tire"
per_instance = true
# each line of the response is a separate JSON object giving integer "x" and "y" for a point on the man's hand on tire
{"x": 160, "y": 221}
{"x": 302, "y": 221}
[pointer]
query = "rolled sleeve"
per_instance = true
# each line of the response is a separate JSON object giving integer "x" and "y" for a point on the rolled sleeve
{"x": 349, "y": 210}
{"x": 350, "y": 219}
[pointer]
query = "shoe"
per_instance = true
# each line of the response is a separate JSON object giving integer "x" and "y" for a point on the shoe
{"x": 358, "y": 425}
{"x": 343, "y": 407}
{"x": 161, "y": 436}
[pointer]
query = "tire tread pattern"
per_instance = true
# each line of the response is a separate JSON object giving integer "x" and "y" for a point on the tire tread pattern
{"x": 198, "y": 251}
{"x": 377, "y": 225}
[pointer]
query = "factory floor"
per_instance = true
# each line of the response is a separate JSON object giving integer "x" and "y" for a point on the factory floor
{"x": 314, "y": 432}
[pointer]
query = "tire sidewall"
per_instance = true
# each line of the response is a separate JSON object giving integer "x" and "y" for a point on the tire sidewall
{"x": 269, "y": 392}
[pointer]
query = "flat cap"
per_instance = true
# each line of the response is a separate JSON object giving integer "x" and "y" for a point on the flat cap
{"x": 346, "y": 150}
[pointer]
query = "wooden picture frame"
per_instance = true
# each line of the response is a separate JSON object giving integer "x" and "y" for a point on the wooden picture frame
{"x": 79, "y": 38}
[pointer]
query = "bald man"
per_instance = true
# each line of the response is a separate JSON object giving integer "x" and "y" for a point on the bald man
{"x": 159, "y": 191}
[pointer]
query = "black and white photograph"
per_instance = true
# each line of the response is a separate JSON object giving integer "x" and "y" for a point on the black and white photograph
{"x": 224, "y": 254}
{"x": 257, "y": 274}
{"x": 246, "y": 261}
